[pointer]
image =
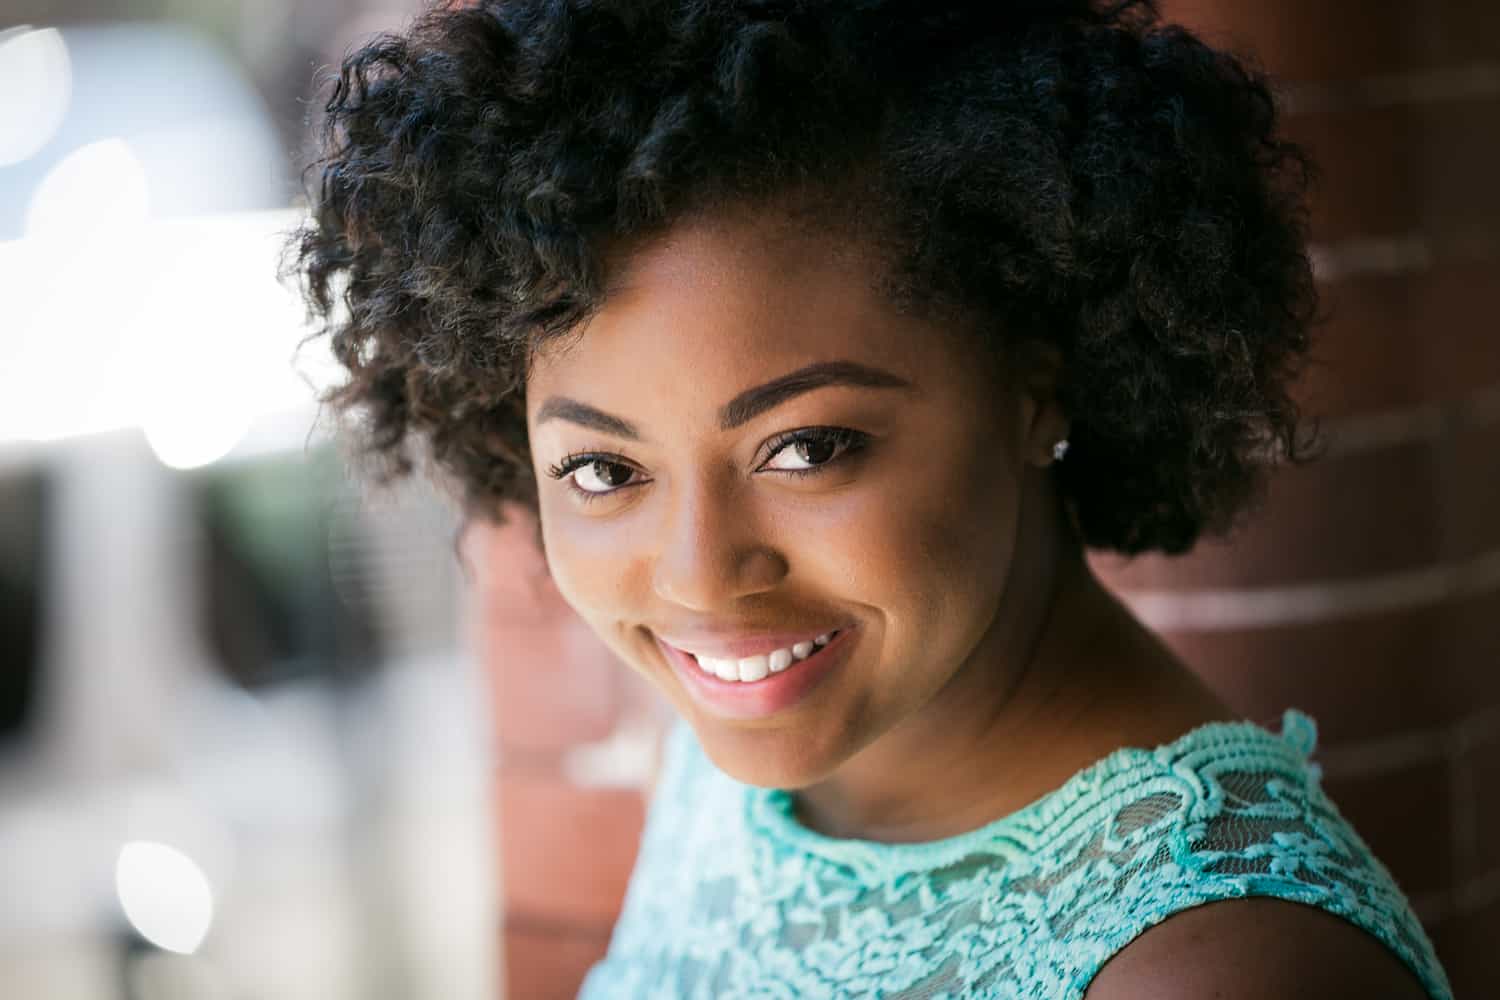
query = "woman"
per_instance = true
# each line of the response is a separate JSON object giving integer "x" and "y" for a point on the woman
{"x": 823, "y": 336}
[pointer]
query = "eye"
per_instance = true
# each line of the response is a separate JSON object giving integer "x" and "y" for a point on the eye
{"x": 809, "y": 449}
{"x": 594, "y": 475}
{"x": 601, "y": 477}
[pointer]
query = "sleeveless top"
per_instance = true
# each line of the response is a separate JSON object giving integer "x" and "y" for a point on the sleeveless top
{"x": 732, "y": 897}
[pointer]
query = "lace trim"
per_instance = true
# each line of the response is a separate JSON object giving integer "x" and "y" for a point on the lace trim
{"x": 1030, "y": 905}
{"x": 1088, "y": 798}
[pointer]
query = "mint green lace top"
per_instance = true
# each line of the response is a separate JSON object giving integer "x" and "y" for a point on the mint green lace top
{"x": 732, "y": 897}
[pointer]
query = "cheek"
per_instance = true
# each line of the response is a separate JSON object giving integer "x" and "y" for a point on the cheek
{"x": 593, "y": 564}
{"x": 930, "y": 553}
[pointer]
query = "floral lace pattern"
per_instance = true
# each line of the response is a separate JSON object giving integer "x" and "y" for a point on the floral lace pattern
{"x": 732, "y": 897}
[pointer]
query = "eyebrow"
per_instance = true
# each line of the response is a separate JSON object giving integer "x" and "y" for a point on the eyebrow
{"x": 753, "y": 402}
{"x": 584, "y": 415}
{"x": 742, "y": 408}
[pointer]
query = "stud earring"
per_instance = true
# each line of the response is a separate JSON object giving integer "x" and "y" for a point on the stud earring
{"x": 1060, "y": 449}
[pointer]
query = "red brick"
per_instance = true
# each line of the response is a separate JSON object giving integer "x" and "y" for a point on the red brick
{"x": 1330, "y": 39}
{"x": 509, "y": 571}
{"x": 1362, "y": 678}
{"x": 566, "y": 852}
{"x": 1462, "y": 298}
{"x": 1437, "y": 503}
{"x": 554, "y": 686}
{"x": 1457, "y": 152}
{"x": 553, "y": 683}
{"x": 1364, "y": 358}
{"x": 1317, "y": 523}
{"x": 1406, "y": 817}
{"x": 1368, "y": 172}
{"x": 1473, "y": 471}
{"x": 549, "y": 962}
{"x": 1448, "y": 32}
{"x": 1334, "y": 40}
{"x": 1465, "y": 946}
{"x": 1395, "y": 170}
{"x": 1471, "y": 659}
{"x": 1481, "y": 769}
{"x": 1396, "y": 341}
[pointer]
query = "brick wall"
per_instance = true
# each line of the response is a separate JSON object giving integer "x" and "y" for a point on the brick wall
{"x": 577, "y": 740}
{"x": 1367, "y": 592}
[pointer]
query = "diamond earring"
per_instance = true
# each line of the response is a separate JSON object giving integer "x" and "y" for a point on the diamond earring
{"x": 1060, "y": 449}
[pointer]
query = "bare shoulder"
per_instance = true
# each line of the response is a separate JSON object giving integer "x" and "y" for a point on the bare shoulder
{"x": 1255, "y": 949}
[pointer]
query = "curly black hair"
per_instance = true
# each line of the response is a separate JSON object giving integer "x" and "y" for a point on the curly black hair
{"x": 1072, "y": 172}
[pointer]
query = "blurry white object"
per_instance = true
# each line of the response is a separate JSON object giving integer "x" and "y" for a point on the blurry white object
{"x": 310, "y": 839}
{"x": 179, "y": 327}
{"x": 165, "y": 894}
{"x": 98, "y": 186}
{"x": 161, "y": 809}
{"x": 199, "y": 129}
{"x": 139, "y": 288}
{"x": 34, "y": 64}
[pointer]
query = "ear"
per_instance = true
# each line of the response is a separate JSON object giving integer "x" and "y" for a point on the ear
{"x": 1037, "y": 376}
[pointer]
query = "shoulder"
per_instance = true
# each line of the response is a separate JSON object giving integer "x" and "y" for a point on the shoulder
{"x": 1255, "y": 949}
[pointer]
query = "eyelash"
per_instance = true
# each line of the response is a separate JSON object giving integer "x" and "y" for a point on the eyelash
{"x": 851, "y": 441}
{"x": 847, "y": 440}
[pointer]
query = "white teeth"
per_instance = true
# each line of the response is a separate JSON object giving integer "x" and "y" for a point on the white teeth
{"x": 754, "y": 668}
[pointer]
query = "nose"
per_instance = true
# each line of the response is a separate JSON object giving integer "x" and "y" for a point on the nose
{"x": 711, "y": 552}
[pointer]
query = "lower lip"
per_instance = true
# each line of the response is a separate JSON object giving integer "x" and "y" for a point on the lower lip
{"x": 769, "y": 695}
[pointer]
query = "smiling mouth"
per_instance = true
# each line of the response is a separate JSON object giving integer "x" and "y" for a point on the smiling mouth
{"x": 750, "y": 669}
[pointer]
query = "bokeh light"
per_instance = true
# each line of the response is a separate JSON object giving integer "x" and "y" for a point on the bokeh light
{"x": 99, "y": 185}
{"x": 214, "y": 784}
{"x": 165, "y": 894}
{"x": 34, "y": 65}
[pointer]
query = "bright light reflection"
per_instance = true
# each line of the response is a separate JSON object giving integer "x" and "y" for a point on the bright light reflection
{"x": 190, "y": 440}
{"x": 100, "y": 185}
{"x": 179, "y": 327}
{"x": 34, "y": 64}
{"x": 165, "y": 894}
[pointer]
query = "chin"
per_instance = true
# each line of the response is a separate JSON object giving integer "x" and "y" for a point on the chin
{"x": 764, "y": 756}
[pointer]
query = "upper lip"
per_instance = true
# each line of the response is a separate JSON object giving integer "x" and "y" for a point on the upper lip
{"x": 738, "y": 645}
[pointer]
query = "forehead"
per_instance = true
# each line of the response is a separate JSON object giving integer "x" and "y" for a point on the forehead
{"x": 717, "y": 303}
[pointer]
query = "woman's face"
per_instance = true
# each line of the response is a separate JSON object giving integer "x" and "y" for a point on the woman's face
{"x": 747, "y": 449}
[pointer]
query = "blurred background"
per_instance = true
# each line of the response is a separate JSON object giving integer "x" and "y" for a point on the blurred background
{"x": 245, "y": 749}
{"x": 265, "y": 734}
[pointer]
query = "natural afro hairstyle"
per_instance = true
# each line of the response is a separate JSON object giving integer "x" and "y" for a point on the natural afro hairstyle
{"x": 1062, "y": 171}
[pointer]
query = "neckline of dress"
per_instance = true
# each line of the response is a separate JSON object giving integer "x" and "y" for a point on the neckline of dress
{"x": 1019, "y": 834}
